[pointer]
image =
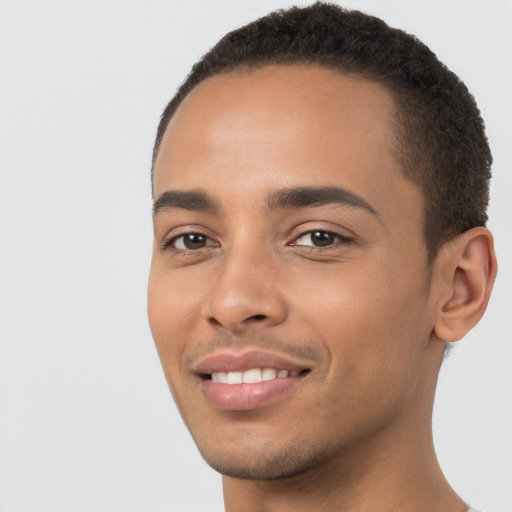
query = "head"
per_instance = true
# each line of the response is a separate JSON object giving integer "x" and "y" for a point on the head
{"x": 320, "y": 186}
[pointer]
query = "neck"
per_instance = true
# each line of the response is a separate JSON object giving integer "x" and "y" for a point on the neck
{"x": 395, "y": 470}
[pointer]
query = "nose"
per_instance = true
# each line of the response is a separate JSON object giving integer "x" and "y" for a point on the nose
{"x": 245, "y": 293}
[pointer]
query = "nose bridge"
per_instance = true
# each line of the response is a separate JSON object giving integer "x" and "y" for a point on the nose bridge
{"x": 246, "y": 291}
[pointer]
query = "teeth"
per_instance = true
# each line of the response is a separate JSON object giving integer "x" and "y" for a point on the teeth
{"x": 268, "y": 374}
{"x": 235, "y": 378}
{"x": 251, "y": 376}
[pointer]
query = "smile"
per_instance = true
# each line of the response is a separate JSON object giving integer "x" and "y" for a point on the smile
{"x": 252, "y": 376}
{"x": 241, "y": 381}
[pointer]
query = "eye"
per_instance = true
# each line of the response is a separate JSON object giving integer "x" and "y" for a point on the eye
{"x": 190, "y": 242}
{"x": 320, "y": 238}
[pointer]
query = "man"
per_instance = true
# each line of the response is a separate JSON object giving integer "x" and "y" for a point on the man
{"x": 321, "y": 184}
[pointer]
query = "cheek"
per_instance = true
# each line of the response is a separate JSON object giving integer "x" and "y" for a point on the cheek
{"x": 369, "y": 324}
{"x": 168, "y": 327}
{"x": 371, "y": 320}
{"x": 170, "y": 315}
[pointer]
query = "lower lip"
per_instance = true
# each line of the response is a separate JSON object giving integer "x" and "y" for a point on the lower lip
{"x": 242, "y": 397}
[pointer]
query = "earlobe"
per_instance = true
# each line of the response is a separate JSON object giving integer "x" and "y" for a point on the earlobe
{"x": 467, "y": 267}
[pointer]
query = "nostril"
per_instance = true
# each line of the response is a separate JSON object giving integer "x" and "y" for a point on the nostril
{"x": 257, "y": 317}
{"x": 214, "y": 321}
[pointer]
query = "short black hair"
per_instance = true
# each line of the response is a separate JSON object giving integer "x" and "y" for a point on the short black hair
{"x": 442, "y": 146}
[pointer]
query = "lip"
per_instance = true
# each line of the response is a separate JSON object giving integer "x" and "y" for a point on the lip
{"x": 228, "y": 361}
{"x": 243, "y": 397}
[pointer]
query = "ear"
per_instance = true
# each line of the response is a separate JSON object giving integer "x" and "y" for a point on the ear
{"x": 465, "y": 269}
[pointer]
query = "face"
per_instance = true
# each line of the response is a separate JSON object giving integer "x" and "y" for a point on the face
{"x": 289, "y": 286}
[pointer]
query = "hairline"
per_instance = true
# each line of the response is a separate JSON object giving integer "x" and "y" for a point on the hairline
{"x": 399, "y": 134}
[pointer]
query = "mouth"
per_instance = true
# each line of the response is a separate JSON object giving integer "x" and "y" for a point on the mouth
{"x": 254, "y": 375}
{"x": 249, "y": 380}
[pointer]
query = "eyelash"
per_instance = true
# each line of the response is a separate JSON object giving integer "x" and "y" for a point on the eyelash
{"x": 339, "y": 239}
{"x": 169, "y": 244}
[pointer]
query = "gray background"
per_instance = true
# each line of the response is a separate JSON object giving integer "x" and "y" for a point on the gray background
{"x": 86, "y": 421}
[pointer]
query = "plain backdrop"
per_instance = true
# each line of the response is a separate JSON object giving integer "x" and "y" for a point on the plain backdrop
{"x": 86, "y": 421}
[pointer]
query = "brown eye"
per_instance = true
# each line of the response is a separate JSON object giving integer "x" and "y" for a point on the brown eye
{"x": 190, "y": 242}
{"x": 194, "y": 241}
{"x": 322, "y": 238}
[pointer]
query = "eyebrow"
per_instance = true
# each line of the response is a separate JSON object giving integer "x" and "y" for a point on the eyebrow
{"x": 197, "y": 200}
{"x": 283, "y": 199}
{"x": 304, "y": 197}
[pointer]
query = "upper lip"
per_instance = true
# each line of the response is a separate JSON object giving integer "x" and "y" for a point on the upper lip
{"x": 231, "y": 361}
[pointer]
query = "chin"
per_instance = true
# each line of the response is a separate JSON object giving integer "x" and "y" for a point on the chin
{"x": 265, "y": 465}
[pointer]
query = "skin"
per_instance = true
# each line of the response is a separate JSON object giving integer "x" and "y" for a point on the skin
{"x": 366, "y": 312}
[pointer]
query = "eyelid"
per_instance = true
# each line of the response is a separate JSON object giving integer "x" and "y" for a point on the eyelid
{"x": 343, "y": 239}
{"x": 169, "y": 241}
{"x": 182, "y": 236}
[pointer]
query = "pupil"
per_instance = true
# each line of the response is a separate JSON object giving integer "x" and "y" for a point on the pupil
{"x": 321, "y": 238}
{"x": 194, "y": 241}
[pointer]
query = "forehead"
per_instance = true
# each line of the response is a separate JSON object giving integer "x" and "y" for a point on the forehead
{"x": 281, "y": 126}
